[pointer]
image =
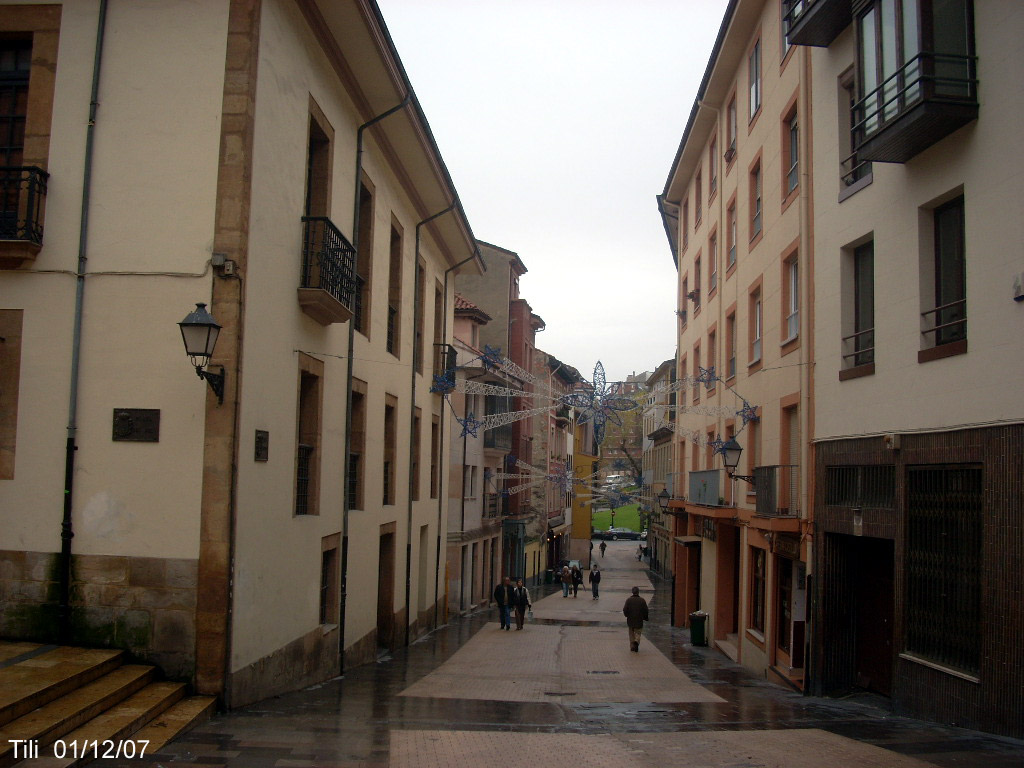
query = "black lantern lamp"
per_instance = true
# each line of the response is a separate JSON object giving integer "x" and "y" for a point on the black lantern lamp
{"x": 199, "y": 331}
{"x": 663, "y": 499}
{"x": 731, "y": 458}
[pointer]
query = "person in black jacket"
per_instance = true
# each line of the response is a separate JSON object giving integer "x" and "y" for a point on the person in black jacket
{"x": 503, "y": 597}
{"x": 635, "y": 611}
{"x": 594, "y": 577}
{"x": 520, "y": 601}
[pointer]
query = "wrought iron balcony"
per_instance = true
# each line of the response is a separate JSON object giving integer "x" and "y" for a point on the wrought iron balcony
{"x": 778, "y": 490}
{"x": 815, "y": 22}
{"x": 924, "y": 101}
{"x": 328, "y": 282}
{"x": 22, "y": 198}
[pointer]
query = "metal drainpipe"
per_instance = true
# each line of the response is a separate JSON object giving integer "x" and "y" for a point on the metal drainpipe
{"x": 66, "y": 527}
{"x": 348, "y": 382}
{"x": 440, "y": 438}
{"x": 412, "y": 410}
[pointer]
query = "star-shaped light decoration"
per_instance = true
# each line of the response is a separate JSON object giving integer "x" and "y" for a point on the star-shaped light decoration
{"x": 708, "y": 377}
{"x": 597, "y": 402}
{"x": 748, "y": 413}
{"x": 491, "y": 358}
{"x": 565, "y": 479}
{"x": 470, "y": 425}
{"x": 443, "y": 383}
{"x": 717, "y": 446}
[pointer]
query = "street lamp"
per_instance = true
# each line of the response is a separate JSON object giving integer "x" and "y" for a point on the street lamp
{"x": 663, "y": 499}
{"x": 731, "y": 458}
{"x": 199, "y": 332}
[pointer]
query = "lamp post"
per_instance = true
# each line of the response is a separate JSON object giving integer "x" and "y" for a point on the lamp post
{"x": 663, "y": 499}
{"x": 199, "y": 332}
{"x": 731, "y": 458}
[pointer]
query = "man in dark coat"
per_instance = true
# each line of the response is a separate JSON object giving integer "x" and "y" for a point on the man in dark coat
{"x": 635, "y": 611}
{"x": 503, "y": 597}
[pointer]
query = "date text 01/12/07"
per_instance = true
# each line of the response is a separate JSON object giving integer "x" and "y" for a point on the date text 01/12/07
{"x": 122, "y": 748}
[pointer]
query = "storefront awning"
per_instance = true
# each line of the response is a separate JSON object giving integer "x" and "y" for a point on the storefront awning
{"x": 687, "y": 539}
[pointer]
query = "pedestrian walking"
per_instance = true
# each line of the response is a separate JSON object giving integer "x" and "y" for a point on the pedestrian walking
{"x": 566, "y": 580}
{"x": 503, "y": 595}
{"x": 594, "y": 577}
{"x": 604, "y": 546}
{"x": 577, "y": 579}
{"x": 635, "y": 611}
{"x": 521, "y": 601}
{"x": 639, "y": 551}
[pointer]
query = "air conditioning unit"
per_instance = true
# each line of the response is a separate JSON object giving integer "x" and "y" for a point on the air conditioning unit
{"x": 891, "y": 442}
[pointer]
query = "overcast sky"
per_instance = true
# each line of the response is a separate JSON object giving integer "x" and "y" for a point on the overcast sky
{"x": 558, "y": 121}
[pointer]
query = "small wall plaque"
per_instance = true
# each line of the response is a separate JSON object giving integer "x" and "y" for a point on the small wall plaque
{"x": 136, "y": 425}
{"x": 262, "y": 445}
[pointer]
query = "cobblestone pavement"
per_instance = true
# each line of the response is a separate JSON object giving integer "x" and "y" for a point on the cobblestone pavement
{"x": 567, "y": 690}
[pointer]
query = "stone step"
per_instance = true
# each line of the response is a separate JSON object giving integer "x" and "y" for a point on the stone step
{"x": 35, "y": 681}
{"x": 182, "y": 717}
{"x": 110, "y": 731}
{"x": 58, "y": 717}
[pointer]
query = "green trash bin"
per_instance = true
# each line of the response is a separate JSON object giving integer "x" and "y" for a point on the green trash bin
{"x": 698, "y": 620}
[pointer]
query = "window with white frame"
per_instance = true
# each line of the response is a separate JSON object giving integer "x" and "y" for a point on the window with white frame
{"x": 754, "y": 71}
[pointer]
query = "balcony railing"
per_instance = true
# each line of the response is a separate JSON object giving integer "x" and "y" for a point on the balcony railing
{"x": 22, "y": 195}
{"x": 948, "y": 322}
{"x": 815, "y": 22}
{"x": 328, "y": 280}
{"x": 924, "y": 101}
{"x": 392, "y": 328}
{"x": 302, "y": 479}
{"x": 707, "y": 488}
{"x": 778, "y": 490}
{"x": 492, "y": 505}
{"x": 862, "y": 346}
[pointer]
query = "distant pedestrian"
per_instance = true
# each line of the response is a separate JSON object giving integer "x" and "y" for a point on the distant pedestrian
{"x": 594, "y": 577}
{"x": 577, "y": 579}
{"x": 566, "y": 580}
{"x": 604, "y": 546}
{"x": 635, "y": 611}
{"x": 639, "y": 551}
{"x": 521, "y": 601}
{"x": 503, "y": 595}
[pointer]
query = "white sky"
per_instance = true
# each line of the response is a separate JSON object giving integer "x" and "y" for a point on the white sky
{"x": 558, "y": 121}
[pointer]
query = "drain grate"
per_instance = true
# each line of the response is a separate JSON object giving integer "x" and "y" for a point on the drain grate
{"x": 559, "y": 693}
{"x": 602, "y": 672}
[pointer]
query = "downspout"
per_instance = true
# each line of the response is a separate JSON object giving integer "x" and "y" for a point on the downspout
{"x": 440, "y": 440}
{"x": 66, "y": 527}
{"x": 348, "y": 382}
{"x": 412, "y": 411}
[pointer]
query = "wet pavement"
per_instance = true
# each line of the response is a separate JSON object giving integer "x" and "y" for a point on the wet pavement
{"x": 567, "y": 689}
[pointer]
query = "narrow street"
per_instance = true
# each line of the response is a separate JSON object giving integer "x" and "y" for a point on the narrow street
{"x": 567, "y": 690}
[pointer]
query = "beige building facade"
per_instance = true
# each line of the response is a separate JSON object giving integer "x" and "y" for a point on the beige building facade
{"x": 268, "y": 159}
{"x": 736, "y": 207}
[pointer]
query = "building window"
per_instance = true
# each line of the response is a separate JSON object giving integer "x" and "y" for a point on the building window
{"x": 696, "y": 373}
{"x": 696, "y": 284}
{"x": 754, "y": 71}
{"x": 697, "y": 208}
{"x": 730, "y": 218}
{"x": 757, "y": 588}
{"x": 790, "y": 153}
{"x": 944, "y": 564}
{"x": 712, "y": 340}
{"x": 438, "y": 325}
{"x": 415, "y": 468}
{"x": 686, "y": 296}
{"x": 755, "y": 201}
{"x": 684, "y": 226}
{"x": 851, "y": 168}
{"x": 713, "y": 168}
{"x": 756, "y": 326}
{"x": 730, "y": 126}
{"x": 861, "y": 486}
{"x": 418, "y": 322}
{"x": 390, "y": 440}
{"x": 394, "y": 320}
{"x": 364, "y": 261}
{"x": 713, "y": 263}
{"x": 730, "y": 345}
{"x": 784, "y": 18}
{"x": 859, "y": 346}
{"x": 307, "y": 459}
{"x": 357, "y": 445}
{"x": 435, "y": 455}
{"x": 946, "y": 322}
{"x": 330, "y": 576}
{"x": 10, "y": 377}
{"x": 791, "y": 298}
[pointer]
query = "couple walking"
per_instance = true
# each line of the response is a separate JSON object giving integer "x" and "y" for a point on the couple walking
{"x": 511, "y": 598}
{"x": 573, "y": 578}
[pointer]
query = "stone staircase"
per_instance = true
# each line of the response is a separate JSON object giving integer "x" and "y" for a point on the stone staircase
{"x": 80, "y": 696}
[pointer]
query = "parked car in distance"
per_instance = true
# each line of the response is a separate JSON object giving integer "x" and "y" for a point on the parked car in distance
{"x": 617, "y": 533}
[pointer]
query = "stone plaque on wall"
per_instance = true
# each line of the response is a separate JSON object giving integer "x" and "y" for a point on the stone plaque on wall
{"x": 136, "y": 425}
